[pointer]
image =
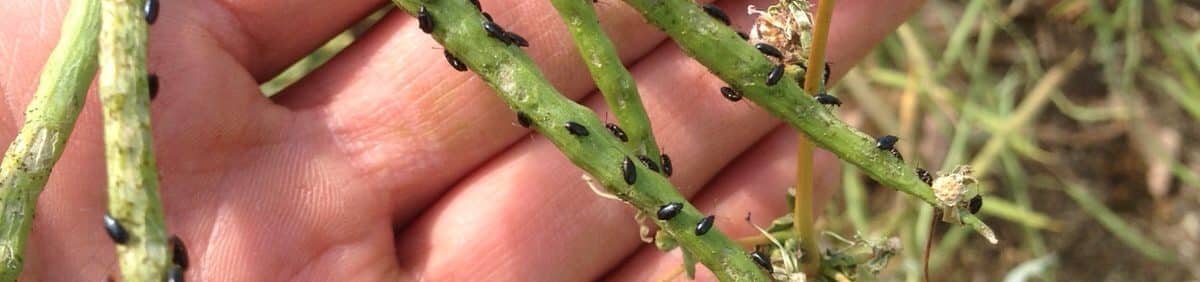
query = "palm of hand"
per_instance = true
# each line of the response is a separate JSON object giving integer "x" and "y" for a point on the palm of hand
{"x": 385, "y": 163}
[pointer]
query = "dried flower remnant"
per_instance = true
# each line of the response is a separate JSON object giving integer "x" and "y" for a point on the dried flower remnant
{"x": 950, "y": 189}
{"x": 787, "y": 26}
{"x": 787, "y": 253}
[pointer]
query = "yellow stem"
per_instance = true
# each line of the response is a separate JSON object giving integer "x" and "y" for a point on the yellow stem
{"x": 803, "y": 214}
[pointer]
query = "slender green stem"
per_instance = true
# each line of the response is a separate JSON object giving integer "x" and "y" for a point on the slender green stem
{"x": 615, "y": 82}
{"x": 132, "y": 177}
{"x": 49, "y": 120}
{"x": 517, "y": 81}
{"x": 719, "y": 48}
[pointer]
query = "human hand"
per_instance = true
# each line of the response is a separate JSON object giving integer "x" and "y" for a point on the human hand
{"x": 386, "y": 164}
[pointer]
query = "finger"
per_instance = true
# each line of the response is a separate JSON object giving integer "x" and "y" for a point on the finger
{"x": 411, "y": 122}
{"x": 202, "y": 130}
{"x": 197, "y": 139}
{"x": 69, "y": 209}
{"x": 266, "y": 36}
{"x": 756, "y": 184}
{"x": 187, "y": 60}
{"x": 30, "y": 30}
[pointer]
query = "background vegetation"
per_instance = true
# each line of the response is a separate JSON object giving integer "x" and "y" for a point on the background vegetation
{"x": 1090, "y": 170}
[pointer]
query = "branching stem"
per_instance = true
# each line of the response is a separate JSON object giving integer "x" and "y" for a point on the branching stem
{"x": 615, "y": 82}
{"x": 719, "y": 48}
{"x": 458, "y": 26}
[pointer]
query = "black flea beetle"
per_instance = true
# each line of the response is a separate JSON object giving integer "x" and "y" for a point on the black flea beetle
{"x": 487, "y": 16}
{"x": 523, "y": 119}
{"x": 775, "y": 74}
{"x": 495, "y": 31}
{"x": 629, "y": 171}
{"x": 975, "y": 204}
{"x": 925, "y": 176}
{"x": 769, "y": 50}
{"x": 150, "y": 10}
{"x": 886, "y": 142}
{"x": 152, "y": 85}
{"x": 425, "y": 20}
{"x": 649, "y": 163}
{"x": 666, "y": 165}
{"x": 175, "y": 274}
{"x": 731, "y": 94}
{"x": 704, "y": 225}
{"x": 576, "y": 129}
{"x": 762, "y": 260}
{"x": 115, "y": 230}
{"x": 826, "y": 99}
{"x": 669, "y": 211}
{"x": 825, "y": 76}
{"x": 896, "y": 153}
{"x": 716, "y": 12}
{"x": 516, "y": 39}
{"x": 454, "y": 62}
{"x": 617, "y": 132}
{"x": 179, "y": 254}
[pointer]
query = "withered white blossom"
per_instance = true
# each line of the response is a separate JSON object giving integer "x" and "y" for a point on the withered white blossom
{"x": 786, "y": 25}
{"x": 950, "y": 189}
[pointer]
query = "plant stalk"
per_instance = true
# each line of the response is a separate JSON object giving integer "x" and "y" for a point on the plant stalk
{"x": 49, "y": 119}
{"x": 615, "y": 82}
{"x": 723, "y": 52}
{"x": 133, "y": 198}
{"x": 813, "y": 84}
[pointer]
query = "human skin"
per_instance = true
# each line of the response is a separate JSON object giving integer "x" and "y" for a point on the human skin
{"x": 386, "y": 164}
